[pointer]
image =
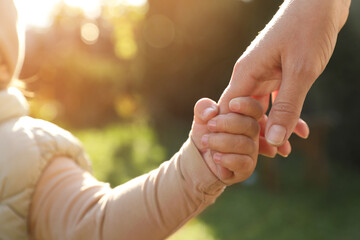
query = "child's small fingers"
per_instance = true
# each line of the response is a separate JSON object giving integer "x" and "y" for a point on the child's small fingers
{"x": 204, "y": 110}
{"x": 229, "y": 143}
{"x": 223, "y": 172}
{"x": 234, "y": 123}
{"x": 238, "y": 164}
{"x": 246, "y": 106}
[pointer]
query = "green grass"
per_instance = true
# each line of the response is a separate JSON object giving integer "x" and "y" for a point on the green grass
{"x": 121, "y": 152}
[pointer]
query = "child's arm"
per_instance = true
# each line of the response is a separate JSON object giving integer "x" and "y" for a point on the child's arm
{"x": 69, "y": 203}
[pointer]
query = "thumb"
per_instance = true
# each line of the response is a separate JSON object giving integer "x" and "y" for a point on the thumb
{"x": 285, "y": 111}
{"x": 204, "y": 110}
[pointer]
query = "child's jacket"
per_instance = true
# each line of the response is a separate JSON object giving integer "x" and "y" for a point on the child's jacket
{"x": 27, "y": 145}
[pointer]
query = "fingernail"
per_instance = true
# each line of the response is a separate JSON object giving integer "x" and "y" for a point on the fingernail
{"x": 276, "y": 135}
{"x": 217, "y": 157}
{"x": 207, "y": 112}
{"x": 205, "y": 140}
{"x": 285, "y": 156}
{"x": 212, "y": 125}
{"x": 234, "y": 105}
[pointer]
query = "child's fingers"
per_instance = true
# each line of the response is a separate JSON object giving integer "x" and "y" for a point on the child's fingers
{"x": 238, "y": 164}
{"x": 234, "y": 123}
{"x": 246, "y": 106}
{"x": 229, "y": 143}
{"x": 223, "y": 173}
{"x": 204, "y": 110}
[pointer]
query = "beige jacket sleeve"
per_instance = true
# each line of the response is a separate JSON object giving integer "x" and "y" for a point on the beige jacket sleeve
{"x": 70, "y": 203}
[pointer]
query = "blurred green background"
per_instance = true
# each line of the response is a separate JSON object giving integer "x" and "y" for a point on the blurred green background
{"x": 125, "y": 76}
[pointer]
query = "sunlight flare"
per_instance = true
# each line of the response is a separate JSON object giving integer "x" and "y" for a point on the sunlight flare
{"x": 39, "y": 13}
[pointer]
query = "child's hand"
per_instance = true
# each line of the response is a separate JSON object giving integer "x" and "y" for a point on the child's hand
{"x": 233, "y": 142}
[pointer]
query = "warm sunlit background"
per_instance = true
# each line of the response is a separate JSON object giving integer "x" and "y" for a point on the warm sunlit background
{"x": 123, "y": 75}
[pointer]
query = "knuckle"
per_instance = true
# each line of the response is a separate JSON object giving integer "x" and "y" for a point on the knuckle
{"x": 246, "y": 164}
{"x": 306, "y": 68}
{"x": 255, "y": 127}
{"x": 198, "y": 103}
{"x": 201, "y": 105}
{"x": 241, "y": 68}
{"x": 225, "y": 124}
{"x": 252, "y": 127}
{"x": 228, "y": 123}
{"x": 217, "y": 142}
{"x": 287, "y": 108}
{"x": 212, "y": 142}
{"x": 245, "y": 168}
{"x": 239, "y": 143}
{"x": 238, "y": 68}
{"x": 252, "y": 146}
{"x": 258, "y": 111}
{"x": 244, "y": 145}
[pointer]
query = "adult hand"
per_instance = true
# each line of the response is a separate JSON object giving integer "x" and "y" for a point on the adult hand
{"x": 284, "y": 60}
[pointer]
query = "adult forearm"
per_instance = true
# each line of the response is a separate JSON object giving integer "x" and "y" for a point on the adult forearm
{"x": 338, "y": 9}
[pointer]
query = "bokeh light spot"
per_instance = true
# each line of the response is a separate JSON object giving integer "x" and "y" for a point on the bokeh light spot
{"x": 125, "y": 106}
{"x": 36, "y": 13}
{"x": 135, "y": 3}
{"x": 89, "y": 33}
{"x": 159, "y": 31}
{"x": 91, "y": 8}
{"x": 126, "y": 48}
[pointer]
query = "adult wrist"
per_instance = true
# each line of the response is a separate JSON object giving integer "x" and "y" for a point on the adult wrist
{"x": 338, "y": 10}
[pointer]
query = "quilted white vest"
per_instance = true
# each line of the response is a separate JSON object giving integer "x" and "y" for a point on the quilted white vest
{"x": 27, "y": 145}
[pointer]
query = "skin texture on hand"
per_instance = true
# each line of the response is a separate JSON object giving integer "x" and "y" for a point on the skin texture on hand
{"x": 283, "y": 62}
{"x": 229, "y": 142}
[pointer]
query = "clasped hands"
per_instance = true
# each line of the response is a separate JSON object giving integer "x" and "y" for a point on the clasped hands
{"x": 281, "y": 63}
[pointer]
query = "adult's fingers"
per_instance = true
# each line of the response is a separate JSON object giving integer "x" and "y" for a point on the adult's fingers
{"x": 302, "y": 129}
{"x": 285, "y": 149}
{"x": 285, "y": 111}
{"x": 266, "y": 149}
